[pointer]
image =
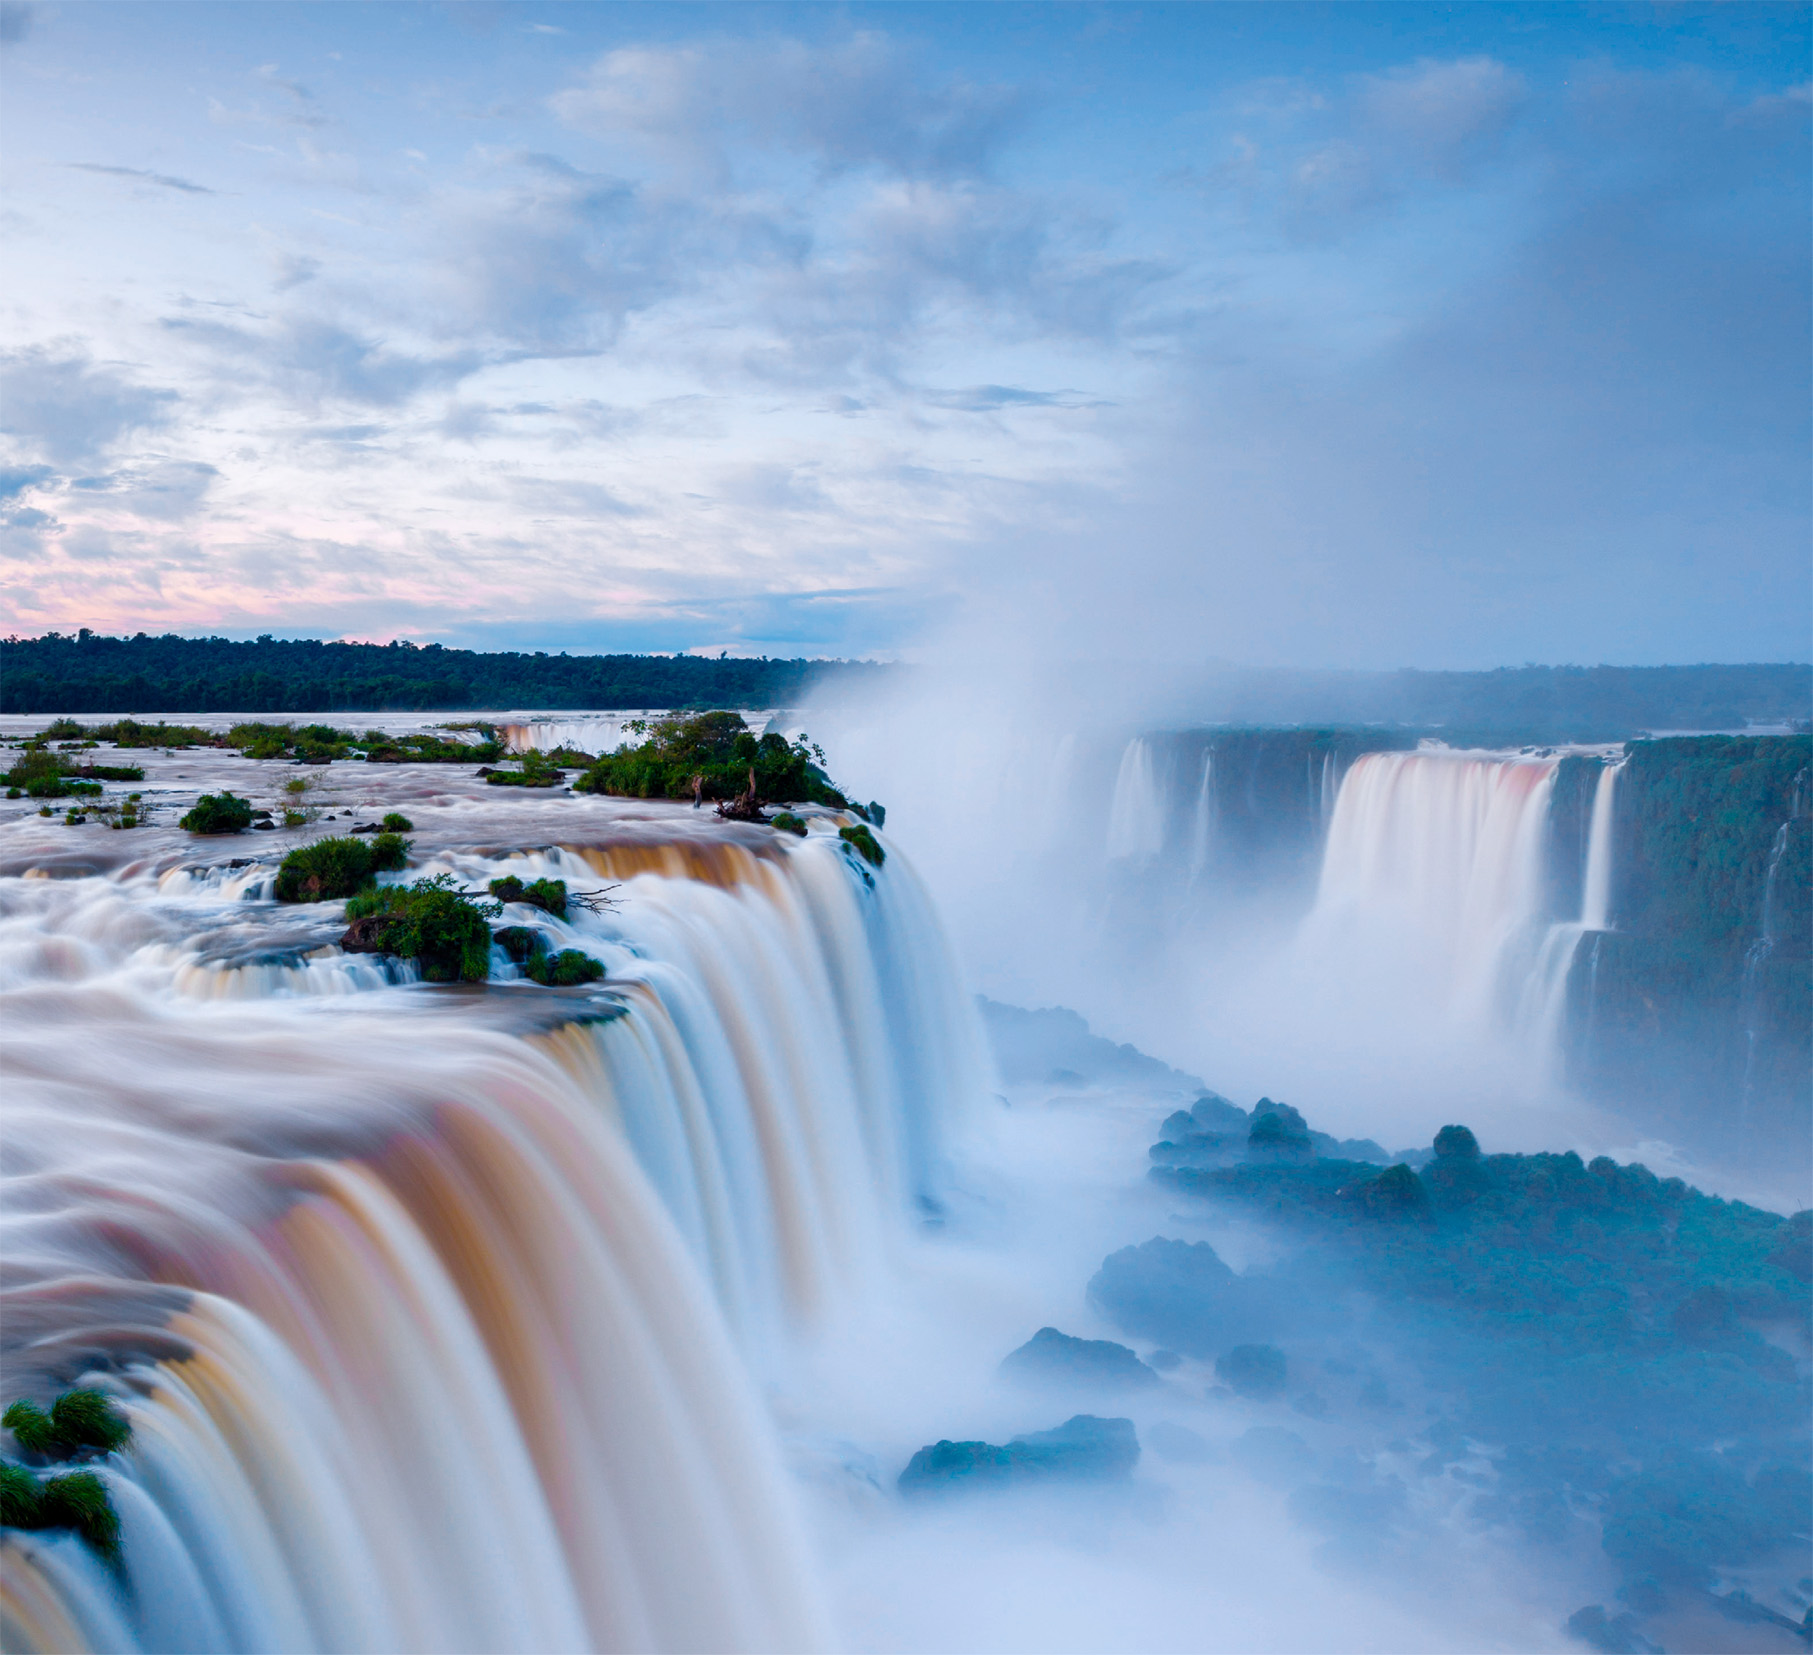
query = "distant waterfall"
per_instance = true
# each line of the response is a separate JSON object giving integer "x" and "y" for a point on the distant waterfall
{"x": 433, "y": 1310}
{"x": 1542, "y": 1005}
{"x": 1436, "y": 861}
{"x": 1136, "y": 816}
{"x": 1202, "y": 825}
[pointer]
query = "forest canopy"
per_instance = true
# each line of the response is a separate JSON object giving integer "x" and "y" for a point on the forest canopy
{"x": 89, "y": 673}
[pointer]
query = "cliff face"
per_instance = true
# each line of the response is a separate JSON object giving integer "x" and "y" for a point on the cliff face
{"x": 1698, "y": 1004}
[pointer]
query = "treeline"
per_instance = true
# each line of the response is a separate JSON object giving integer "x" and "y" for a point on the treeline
{"x": 89, "y": 673}
{"x": 1528, "y": 704}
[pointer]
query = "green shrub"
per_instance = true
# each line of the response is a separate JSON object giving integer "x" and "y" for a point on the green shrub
{"x": 218, "y": 813}
{"x": 567, "y": 969}
{"x": 549, "y": 895}
{"x": 433, "y": 922}
{"x": 864, "y": 843}
{"x": 394, "y": 821}
{"x": 536, "y": 770}
{"x": 710, "y": 756}
{"x": 389, "y": 853}
{"x": 787, "y": 822}
{"x": 324, "y": 871}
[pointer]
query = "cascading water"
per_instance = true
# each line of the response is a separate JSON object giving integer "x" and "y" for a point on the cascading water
{"x": 1136, "y": 816}
{"x": 433, "y": 1309}
{"x": 592, "y": 735}
{"x": 1756, "y": 956}
{"x": 1202, "y": 827}
{"x": 1435, "y": 862}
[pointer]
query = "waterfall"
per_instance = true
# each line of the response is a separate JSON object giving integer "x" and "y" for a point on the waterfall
{"x": 1443, "y": 851}
{"x": 1756, "y": 956}
{"x": 436, "y": 1310}
{"x": 1136, "y": 816}
{"x": 596, "y": 735}
{"x": 1434, "y": 867}
{"x": 1596, "y": 888}
{"x": 1202, "y": 827}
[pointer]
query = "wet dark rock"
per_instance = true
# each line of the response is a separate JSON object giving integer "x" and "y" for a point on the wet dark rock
{"x": 1051, "y": 1358}
{"x": 369, "y": 934}
{"x": 1082, "y": 1449}
{"x": 366, "y": 827}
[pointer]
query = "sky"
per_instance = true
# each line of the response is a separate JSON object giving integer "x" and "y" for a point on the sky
{"x": 1280, "y": 335}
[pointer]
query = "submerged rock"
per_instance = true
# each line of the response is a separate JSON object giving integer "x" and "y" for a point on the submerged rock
{"x": 1082, "y": 1449}
{"x": 1050, "y": 1357}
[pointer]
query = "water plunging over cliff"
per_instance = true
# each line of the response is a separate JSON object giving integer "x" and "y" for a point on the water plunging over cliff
{"x": 1438, "y": 863}
{"x": 434, "y": 1308}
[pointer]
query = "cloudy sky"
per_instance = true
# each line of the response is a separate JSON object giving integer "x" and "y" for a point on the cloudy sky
{"x": 1444, "y": 336}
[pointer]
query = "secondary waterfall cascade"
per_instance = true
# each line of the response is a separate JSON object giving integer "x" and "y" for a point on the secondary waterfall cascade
{"x": 434, "y": 1309}
{"x": 1436, "y": 865}
{"x": 1136, "y": 815}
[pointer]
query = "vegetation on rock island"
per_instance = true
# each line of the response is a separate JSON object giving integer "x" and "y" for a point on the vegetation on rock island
{"x": 43, "y": 772}
{"x": 713, "y": 757}
{"x": 549, "y": 895}
{"x": 78, "y": 1424}
{"x": 433, "y": 922}
{"x": 330, "y": 869}
{"x": 218, "y": 813}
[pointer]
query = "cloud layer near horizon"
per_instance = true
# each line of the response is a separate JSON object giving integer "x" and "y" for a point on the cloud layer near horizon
{"x": 817, "y": 333}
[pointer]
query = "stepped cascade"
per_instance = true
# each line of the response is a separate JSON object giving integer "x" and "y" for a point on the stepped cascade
{"x": 435, "y": 1310}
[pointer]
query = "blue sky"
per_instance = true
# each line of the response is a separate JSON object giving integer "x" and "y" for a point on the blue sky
{"x": 1354, "y": 335}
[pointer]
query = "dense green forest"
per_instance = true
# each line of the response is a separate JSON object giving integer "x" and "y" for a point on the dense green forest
{"x": 1529, "y": 704}
{"x": 88, "y": 673}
